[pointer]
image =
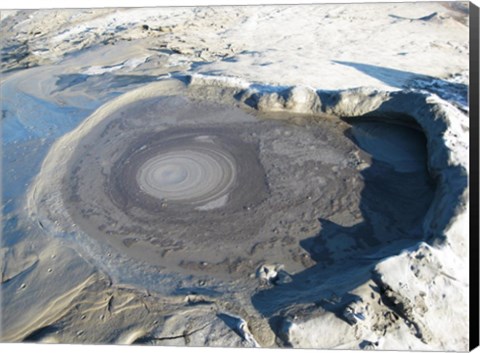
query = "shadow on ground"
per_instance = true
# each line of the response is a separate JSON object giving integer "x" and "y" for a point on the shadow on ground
{"x": 452, "y": 91}
{"x": 393, "y": 206}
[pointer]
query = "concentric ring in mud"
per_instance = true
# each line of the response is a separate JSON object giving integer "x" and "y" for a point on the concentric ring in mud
{"x": 178, "y": 169}
{"x": 187, "y": 175}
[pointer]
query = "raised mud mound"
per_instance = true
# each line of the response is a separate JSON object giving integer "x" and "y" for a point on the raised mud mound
{"x": 207, "y": 182}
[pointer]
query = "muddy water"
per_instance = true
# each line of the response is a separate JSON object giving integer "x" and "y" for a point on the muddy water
{"x": 205, "y": 189}
{"x": 202, "y": 188}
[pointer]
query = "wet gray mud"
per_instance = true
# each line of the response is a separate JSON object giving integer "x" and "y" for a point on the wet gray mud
{"x": 207, "y": 189}
{"x": 196, "y": 188}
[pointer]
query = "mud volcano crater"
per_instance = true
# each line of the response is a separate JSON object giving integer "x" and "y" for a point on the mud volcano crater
{"x": 196, "y": 187}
